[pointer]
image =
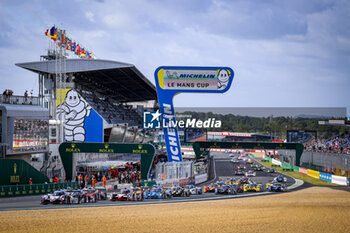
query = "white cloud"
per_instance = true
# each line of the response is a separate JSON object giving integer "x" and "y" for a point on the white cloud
{"x": 90, "y": 16}
{"x": 284, "y": 53}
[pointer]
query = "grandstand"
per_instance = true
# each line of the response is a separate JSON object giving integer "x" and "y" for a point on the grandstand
{"x": 111, "y": 97}
{"x": 107, "y": 86}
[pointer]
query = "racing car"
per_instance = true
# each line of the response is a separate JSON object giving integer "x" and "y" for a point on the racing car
{"x": 210, "y": 188}
{"x": 280, "y": 179}
{"x": 178, "y": 191}
{"x": 73, "y": 196}
{"x": 252, "y": 187}
{"x": 234, "y": 161}
{"x": 241, "y": 167}
{"x": 57, "y": 197}
{"x": 271, "y": 170}
{"x": 276, "y": 186}
{"x": 231, "y": 181}
{"x": 258, "y": 168}
{"x": 137, "y": 194}
{"x": 194, "y": 190}
{"x": 225, "y": 189}
{"x": 244, "y": 180}
{"x": 146, "y": 190}
{"x": 89, "y": 195}
{"x": 124, "y": 195}
{"x": 101, "y": 193}
{"x": 250, "y": 173}
{"x": 249, "y": 161}
{"x": 239, "y": 172}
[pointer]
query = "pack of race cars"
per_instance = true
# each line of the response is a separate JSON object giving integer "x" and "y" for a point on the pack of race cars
{"x": 245, "y": 184}
{"x": 231, "y": 186}
{"x": 74, "y": 196}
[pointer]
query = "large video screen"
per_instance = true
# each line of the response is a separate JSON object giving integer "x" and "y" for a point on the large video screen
{"x": 193, "y": 135}
{"x": 300, "y": 136}
{"x": 30, "y": 135}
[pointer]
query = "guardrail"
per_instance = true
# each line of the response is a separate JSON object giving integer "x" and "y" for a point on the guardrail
{"x": 34, "y": 189}
{"x": 341, "y": 180}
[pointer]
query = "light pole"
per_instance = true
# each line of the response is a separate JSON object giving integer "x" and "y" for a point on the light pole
{"x": 271, "y": 127}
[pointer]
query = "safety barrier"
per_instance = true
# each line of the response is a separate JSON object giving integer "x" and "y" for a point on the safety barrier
{"x": 200, "y": 178}
{"x": 145, "y": 183}
{"x": 325, "y": 176}
{"x": 34, "y": 189}
{"x": 341, "y": 180}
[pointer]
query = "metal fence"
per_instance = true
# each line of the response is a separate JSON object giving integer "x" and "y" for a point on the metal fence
{"x": 19, "y": 100}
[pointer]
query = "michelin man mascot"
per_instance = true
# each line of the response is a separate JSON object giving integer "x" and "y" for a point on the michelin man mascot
{"x": 74, "y": 110}
{"x": 223, "y": 77}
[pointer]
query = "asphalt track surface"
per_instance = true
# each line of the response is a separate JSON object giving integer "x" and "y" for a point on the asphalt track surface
{"x": 223, "y": 169}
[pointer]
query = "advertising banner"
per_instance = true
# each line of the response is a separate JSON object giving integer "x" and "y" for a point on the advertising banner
{"x": 342, "y": 180}
{"x": 326, "y": 177}
{"x": 200, "y": 178}
{"x": 314, "y": 174}
{"x": 277, "y": 162}
{"x": 172, "y": 80}
{"x": 303, "y": 170}
{"x": 81, "y": 121}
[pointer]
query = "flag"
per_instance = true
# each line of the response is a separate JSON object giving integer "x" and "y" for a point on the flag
{"x": 47, "y": 31}
{"x": 53, "y": 33}
{"x": 73, "y": 47}
{"x": 58, "y": 33}
{"x": 68, "y": 46}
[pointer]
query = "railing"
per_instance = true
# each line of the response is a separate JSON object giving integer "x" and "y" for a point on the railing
{"x": 15, "y": 99}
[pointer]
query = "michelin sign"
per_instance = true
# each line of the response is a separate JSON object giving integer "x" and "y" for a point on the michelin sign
{"x": 172, "y": 80}
{"x": 81, "y": 122}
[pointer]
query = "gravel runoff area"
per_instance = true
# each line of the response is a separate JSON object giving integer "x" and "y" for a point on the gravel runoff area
{"x": 314, "y": 209}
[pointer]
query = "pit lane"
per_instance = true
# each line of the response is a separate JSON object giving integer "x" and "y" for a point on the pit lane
{"x": 223, "y": 169}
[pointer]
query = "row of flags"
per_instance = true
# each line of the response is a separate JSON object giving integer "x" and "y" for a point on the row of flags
{"x": 60, "y": 37}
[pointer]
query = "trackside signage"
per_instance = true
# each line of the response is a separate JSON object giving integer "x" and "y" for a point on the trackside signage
{"x": 303, "y": 170}
{"x": 172, "y": 80}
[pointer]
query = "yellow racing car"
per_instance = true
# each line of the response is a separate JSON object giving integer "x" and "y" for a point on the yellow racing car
{"x": 252, "y": 187}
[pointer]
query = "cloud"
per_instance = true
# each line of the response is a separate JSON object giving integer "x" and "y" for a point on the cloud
{"x": 90, "y": 16}
{"x": 284, "y": 53}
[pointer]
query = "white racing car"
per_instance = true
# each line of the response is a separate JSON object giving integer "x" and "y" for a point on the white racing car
{"x": 195, "y": 190}
{"x": 250, "y": 173}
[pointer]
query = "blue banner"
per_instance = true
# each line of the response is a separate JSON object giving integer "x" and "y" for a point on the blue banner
{"x": 172, "y": 80}
{"x": 326, "y": 177}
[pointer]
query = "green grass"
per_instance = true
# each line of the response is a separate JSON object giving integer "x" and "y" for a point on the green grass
{"x": 299, "y": 176}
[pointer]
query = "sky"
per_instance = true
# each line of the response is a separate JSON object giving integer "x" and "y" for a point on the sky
{"x": 284, "y": 53}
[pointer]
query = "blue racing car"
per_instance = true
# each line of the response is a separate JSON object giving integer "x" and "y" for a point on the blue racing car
{"x": 274, "y": 186}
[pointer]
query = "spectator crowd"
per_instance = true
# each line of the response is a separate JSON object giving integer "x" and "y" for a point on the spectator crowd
{"x": 338, "y": 145}
{"x": 129, "y": 174}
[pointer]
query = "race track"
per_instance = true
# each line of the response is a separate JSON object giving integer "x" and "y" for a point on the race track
{"x": 223, "y": 169}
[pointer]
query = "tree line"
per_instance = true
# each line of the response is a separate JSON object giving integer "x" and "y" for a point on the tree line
{"x": 262, "y": 125}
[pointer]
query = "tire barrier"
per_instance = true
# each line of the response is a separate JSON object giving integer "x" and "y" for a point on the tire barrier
{"x": 34, "y": 189}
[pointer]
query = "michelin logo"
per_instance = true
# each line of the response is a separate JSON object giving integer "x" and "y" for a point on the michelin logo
{"x": 152, "y": 120}
{"x": 74, "y": 110}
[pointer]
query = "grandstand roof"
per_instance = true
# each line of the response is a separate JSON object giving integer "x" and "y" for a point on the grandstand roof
{"x": 118, "y": 80}
{"x": 25, "y": 111}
